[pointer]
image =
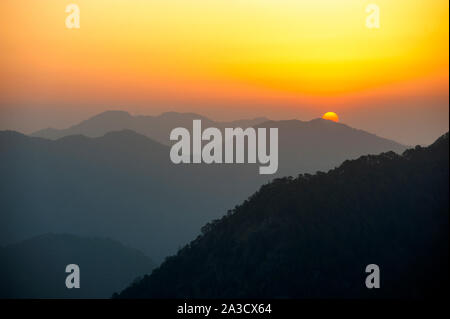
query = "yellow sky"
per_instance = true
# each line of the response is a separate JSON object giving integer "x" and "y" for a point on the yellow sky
{"x": 211, "y": 47}
{"x": 228, "y": 59}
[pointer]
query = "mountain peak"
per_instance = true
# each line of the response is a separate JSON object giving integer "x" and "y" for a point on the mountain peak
{"x": 442, "y": 140}
{"x": 111, "y": 115}
{"x": 183, "y": 116}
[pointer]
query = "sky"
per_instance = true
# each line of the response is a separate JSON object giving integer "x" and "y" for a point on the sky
{"x": 228, "y": 59}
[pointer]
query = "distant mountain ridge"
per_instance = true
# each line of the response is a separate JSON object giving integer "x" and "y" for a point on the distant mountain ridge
{"x": 313, "y": 236}
{"x": 309, "y": 146}
{"x": 300, "y": 142}
{"x": 154, "y": 127}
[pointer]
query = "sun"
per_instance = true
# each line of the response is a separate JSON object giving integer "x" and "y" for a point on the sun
{"x": 331, "y": 116}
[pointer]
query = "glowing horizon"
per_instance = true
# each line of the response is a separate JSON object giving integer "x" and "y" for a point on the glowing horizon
{"x": 317, "y": 48}
{"x": 244, "y": 53}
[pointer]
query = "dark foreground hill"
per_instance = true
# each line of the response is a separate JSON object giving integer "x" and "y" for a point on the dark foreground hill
{"x": 35, "y": 268}
{"x": 313, "y": 236}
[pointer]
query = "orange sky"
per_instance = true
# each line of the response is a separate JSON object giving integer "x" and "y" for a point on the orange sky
{"x": 225, "y": 59}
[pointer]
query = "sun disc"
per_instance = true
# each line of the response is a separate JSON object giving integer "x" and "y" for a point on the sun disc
{"x": 331, "y": 116}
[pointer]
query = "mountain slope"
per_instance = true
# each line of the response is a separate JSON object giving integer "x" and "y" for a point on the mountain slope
{"x": 313, "y": 236}
{"x": 35, "y": 268}
{"x": 123, "y": 185}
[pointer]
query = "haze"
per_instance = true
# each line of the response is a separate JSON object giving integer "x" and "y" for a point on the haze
{"x": 228, "y": 59}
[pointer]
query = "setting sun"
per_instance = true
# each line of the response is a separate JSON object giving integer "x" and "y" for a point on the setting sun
{"x": 331, "y": 116}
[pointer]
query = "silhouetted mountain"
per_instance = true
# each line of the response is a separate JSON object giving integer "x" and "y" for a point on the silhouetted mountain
{"x": 123, "y": 185}
{"x": 319, "y": 144}
{"x": 313, "y": 236}
{"x": 301, "y": 142}
{"x": 155, "y": 127}
{"x": 35, "y": 268}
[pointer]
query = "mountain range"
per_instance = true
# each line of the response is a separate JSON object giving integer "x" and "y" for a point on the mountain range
{"x": 155, "y": 127}
{"x": 111, "y": 177}
{"x": 300, "y": 141}
{"x": 313, "y": 236}
{"x": 35, "y": 268}
{"x": 122, "y": 184}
